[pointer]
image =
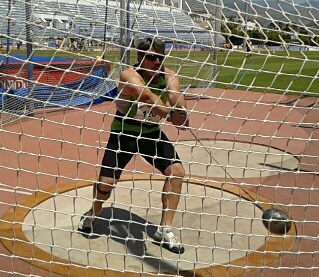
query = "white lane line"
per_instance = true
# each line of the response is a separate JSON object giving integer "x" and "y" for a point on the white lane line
{"x": 16, "y": 191}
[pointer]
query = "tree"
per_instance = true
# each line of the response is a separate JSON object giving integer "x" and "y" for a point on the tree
{"x": 273, "y": 38}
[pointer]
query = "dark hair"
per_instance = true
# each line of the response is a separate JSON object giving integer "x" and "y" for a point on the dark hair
{"x": 147, "y": 44}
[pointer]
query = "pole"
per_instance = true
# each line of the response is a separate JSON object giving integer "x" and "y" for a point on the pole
{"x": 105, "y": 28}
{"x": 6, "y": 85}
{"x": 122, "y": 33}
{"x": 245, "y": 26}
{"x": 217, "y": 28}
{"x": 30, "y": 102}
{"x": 128, "y": 53}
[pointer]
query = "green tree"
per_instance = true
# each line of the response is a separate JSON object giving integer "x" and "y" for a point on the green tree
{"x": 232, "y": 31}
{"x": 273, "y": 38}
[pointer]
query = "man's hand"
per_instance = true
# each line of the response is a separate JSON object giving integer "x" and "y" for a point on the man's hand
{"x": 179, "y": 118}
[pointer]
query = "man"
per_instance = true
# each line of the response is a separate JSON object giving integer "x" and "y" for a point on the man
{"x": 249, "y": 48}
{"x": 144, "y": 92}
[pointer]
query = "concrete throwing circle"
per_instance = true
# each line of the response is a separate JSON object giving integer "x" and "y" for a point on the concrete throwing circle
{"x": 218, "y": 224}
{"x": 210, "y": 158}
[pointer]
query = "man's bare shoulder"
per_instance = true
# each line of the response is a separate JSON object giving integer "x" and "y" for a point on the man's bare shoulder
{"x": 169, "y": 71}
{"x": 128, "y": 73}
{"x": 129, "y": 81}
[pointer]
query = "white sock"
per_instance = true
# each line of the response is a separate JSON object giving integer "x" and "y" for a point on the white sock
{"x": 164, "y": 229}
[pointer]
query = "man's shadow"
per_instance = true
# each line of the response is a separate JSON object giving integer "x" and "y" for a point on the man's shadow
{"x": 128, "y": 229}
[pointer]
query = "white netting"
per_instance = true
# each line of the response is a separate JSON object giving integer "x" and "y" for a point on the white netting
{"x": 252, "y": 143}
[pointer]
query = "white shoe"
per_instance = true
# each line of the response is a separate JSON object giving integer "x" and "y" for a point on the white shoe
{"x": 165, "y": 237}
{"x": 87, "y": 220}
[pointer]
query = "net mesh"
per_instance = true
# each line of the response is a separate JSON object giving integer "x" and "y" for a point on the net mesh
{"x": 249, "y": 71}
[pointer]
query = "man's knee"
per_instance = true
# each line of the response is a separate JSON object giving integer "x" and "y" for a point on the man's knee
{"x": 103, "y": 188}
{"x": 176, "y": 170}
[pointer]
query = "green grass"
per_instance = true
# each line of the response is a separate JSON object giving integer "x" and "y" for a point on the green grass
{"x": 295, "y": 74}
{"x": 275, "y": 73}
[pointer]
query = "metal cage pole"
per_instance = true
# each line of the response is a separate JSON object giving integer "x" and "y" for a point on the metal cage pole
{"x": 6, "y": 86}
{"x": 217, "y": 28}
{"x": 245, "y": 26}
{"x": 8, "y": 26}
{"x": 123, "y": 33}
{"x": 105, "y": 28}
{"x": 30, "y": 100}
{"x": 128, "y": 32}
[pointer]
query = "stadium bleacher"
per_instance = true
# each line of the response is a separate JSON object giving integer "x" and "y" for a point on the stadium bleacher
{"x": 82, "y": 19}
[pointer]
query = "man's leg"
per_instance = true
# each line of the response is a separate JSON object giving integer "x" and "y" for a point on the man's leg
{"x": 168, "y": 162}
{"x": 103, "y": 188}
{"x": 170, "y": 199}
{"x": 161, "y": 154}
{"x": 101, "y": 192}
{"x": 171, "y": 192}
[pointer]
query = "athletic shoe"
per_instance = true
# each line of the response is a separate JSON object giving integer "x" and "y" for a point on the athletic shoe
{"x": 165, "y": 237}
{"x": 86, "y": 222}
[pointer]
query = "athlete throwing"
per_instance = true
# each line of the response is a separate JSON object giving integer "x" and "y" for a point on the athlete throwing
{"x": 148, "y": 93}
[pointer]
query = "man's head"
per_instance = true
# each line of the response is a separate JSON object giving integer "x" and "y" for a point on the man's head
{"x": 150, "y": 53}
{"x": 146, "y": 44}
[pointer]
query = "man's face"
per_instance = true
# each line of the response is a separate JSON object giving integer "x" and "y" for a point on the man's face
{"x": 152, "y": 62}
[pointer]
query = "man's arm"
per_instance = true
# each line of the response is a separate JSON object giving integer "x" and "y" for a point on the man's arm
{"x": 131, "y": 83}
{"x": 176, "y": 99}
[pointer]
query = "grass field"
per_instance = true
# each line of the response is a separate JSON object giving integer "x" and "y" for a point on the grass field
{"x": 275, "y": 73}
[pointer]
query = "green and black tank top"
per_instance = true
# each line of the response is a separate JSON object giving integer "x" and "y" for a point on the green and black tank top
{"x": 136, "y": 117}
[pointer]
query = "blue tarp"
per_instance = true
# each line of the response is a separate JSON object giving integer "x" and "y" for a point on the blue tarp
{"x": 93, "y": 89}
{"x": 2, "y": 95}
{"x": 36, "y": 59}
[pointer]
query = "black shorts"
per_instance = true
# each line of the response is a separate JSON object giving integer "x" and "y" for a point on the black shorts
{"x": 155, "y": 148}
